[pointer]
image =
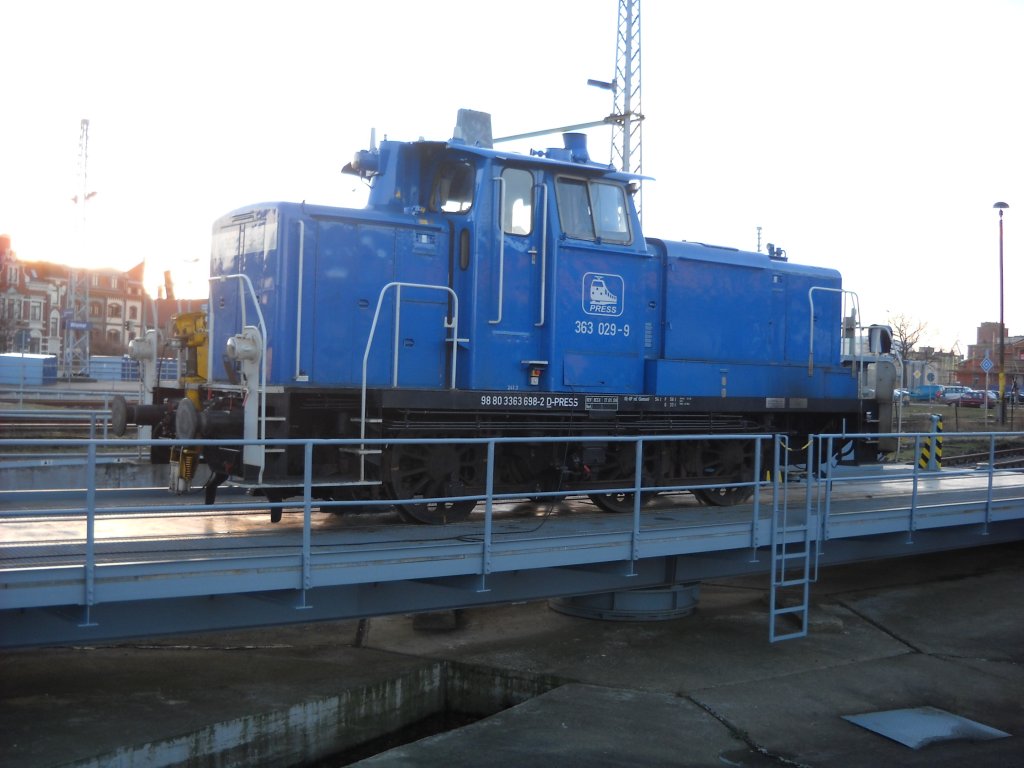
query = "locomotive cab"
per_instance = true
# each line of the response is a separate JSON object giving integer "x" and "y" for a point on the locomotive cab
{"x": 513, "y": 228}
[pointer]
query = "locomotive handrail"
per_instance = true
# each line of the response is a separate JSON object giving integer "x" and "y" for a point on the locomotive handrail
{"x": 810, "y": 297}
{"x": 501, "y": 248}
{"x": 453, "y": 324}
{"x": 245, "y": 282}
{"x": 298, "y": 309}
{"x": 543, "y": 253}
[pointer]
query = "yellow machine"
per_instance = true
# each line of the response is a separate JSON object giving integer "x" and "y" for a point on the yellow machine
{"x": 189, "y": 337}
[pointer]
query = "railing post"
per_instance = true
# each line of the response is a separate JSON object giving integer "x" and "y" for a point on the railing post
{"x": 913, "y": 492}
{"x": 826, "y": 515}
{"x": 634, "y": 550}
{"x": 485, "y": 566}
{"x": 755, "y": 539}
{"x": 991, "y": 480}
{"x": 307, "y": 517}
{"x": 90, "y": 536}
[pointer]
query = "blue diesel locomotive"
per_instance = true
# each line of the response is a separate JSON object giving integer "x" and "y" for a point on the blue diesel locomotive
{"x": 484, "y": 293}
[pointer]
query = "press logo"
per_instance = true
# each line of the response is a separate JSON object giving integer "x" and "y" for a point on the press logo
{"x": 603, "y": 294}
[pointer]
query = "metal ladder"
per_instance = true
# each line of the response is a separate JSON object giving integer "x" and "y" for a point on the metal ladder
{"x": 791, "y": 544}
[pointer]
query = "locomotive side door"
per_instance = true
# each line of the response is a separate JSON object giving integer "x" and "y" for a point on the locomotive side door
{"x": 513, "y": 283}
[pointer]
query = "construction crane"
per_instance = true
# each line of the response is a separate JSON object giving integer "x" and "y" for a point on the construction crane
{"x": 76, "y": 305}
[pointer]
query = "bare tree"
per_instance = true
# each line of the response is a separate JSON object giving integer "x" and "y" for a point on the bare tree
{"x": 905, "y": 333}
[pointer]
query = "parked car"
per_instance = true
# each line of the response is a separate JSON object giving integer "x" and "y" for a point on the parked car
{"x": 1012, "y": 396}
{"x": 925, "y": 393}
{"x": 951, "y": 393}
{"x": 901, "y": 396}
{"x": 973, "y": 398}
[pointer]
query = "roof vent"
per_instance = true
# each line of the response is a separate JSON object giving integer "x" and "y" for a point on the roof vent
{"x": 473, "y": 128}
{"x": 576, "y": 143}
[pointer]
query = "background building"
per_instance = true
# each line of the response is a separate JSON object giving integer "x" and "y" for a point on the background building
{"x": 972, "y": 371}
{"x": 34, "y": 305}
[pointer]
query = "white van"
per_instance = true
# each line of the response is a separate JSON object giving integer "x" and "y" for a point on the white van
{"x": 951, "y": 393}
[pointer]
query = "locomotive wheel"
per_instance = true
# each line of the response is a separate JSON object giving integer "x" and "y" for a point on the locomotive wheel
{"x": 434, "y": 471}
{"x": 730, "y": 460}
{"x": 348, "y": 493}
{"x": 620, "y": 470}
{"x": 619, "y": 503}
{"x": 275, "y": 512}
{"x": 722, "y": 497}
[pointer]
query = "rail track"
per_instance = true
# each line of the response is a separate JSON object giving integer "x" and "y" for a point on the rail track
{"x": 1006, "y": 458}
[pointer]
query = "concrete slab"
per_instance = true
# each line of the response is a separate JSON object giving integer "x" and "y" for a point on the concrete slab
{"x": 965, "y": 616}
{"x": 800, "y": 717}
{"x": 787, "y": 701}
{"x": 579, "y": 725}
{"x": 724, "y": 643}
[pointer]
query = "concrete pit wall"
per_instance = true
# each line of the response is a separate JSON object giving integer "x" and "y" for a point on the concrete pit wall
{"x": 322, "y": 727}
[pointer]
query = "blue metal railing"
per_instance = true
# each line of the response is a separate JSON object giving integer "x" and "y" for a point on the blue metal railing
{"x": 912, "y": 475}
{"x": 474, "y": 550}
{"x": 95, "y": 506}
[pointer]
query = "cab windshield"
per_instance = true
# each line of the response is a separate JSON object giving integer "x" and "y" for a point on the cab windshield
{"x": 593, "y": 210}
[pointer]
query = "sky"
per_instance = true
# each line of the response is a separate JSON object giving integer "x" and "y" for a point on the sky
{"x": 872, "y": 136}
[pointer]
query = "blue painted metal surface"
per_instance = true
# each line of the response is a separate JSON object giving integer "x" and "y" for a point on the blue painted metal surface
{"x": 89, "y": 585}
{"x": 606, "y": 310}
{"x": 488, "y": 293}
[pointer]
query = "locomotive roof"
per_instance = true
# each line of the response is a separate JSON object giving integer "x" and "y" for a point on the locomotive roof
{"x": 696, "y": 251}
{"x": 557, "y": 157}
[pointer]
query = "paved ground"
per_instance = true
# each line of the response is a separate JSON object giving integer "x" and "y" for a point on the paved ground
{"x": 943, "y": 631}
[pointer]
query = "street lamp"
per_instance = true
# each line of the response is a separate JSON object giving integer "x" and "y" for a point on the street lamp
{"x": 1002, "y": 328}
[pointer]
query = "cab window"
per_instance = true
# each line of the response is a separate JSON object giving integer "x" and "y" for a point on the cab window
{"x": 517, "y": 213}
{"x": 574, "y": 209}
{"x": 453, "y": 188}
{"x": 610, "y": 217}
{"x": 593, "y": 210}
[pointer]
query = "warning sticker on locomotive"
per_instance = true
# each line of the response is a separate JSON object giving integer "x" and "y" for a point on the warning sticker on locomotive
{"x": 603, "y": 294}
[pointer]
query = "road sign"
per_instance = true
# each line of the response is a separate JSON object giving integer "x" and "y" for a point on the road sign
{"x": 986, "y": 365}
{"x": 79, "y": 325}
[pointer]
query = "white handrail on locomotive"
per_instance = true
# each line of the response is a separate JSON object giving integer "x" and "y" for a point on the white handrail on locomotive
{"x": 501, "y": 249}
{"x": 543, "y": 251}
{"x": 450, "y": 324}
{"x": 856, "y": 309}
{"x": 249, "y": 451}
{"x": 299, "y": 376}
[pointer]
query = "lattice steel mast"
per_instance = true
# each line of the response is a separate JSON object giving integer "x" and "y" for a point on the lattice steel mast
{"x": 627, "y": 128}
{"x": 76, "y": 307}
{"x": 627, "y": 119}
